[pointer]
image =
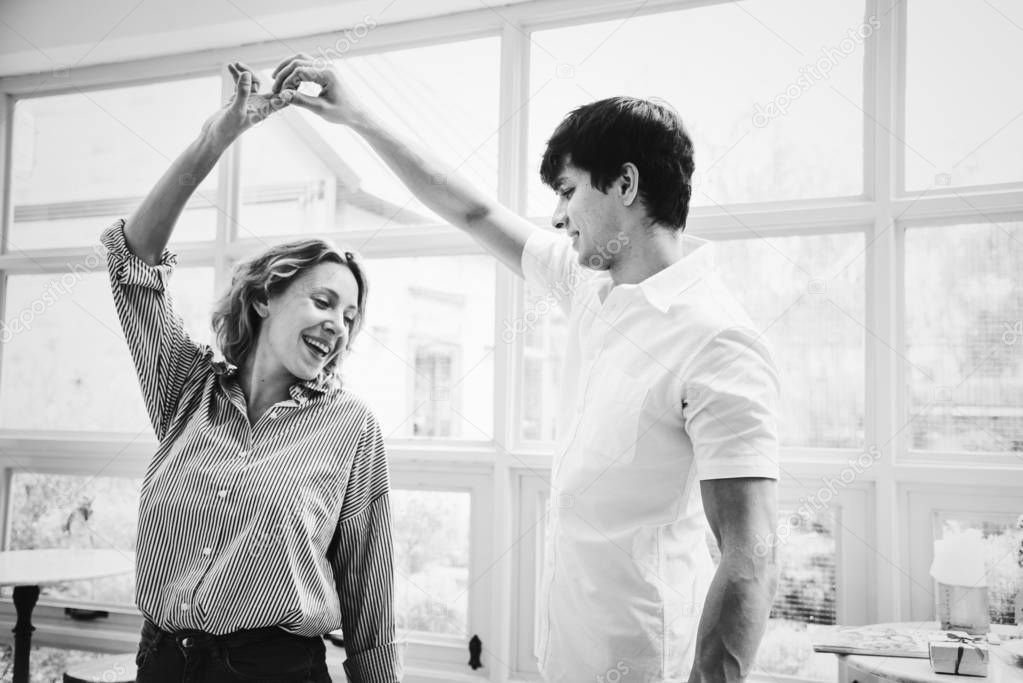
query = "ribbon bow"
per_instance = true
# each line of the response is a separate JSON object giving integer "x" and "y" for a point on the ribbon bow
{"x": 963, "y": 638}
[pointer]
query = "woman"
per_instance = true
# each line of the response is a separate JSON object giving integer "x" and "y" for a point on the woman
{"x": 264, "y": 516}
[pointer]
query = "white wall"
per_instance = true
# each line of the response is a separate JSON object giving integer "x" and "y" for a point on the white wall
{"x": 43, "y": 35}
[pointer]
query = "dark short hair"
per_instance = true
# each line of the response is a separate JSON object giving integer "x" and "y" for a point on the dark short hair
{"x": 602, "y": 136}
{"x": 235, "y": 321}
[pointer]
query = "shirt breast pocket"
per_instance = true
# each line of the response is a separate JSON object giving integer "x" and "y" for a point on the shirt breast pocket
{"x": 609, "y": 428}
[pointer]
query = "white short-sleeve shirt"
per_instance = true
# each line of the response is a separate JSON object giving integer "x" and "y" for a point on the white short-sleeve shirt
{"x": 665, "y": 383}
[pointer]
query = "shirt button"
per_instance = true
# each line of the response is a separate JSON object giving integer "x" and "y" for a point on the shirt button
{"x": 273, "y": 415}
{"x": 243, "y": 454}
{"x": 207, "y": 551}
{"x": 185, "y": 606}
{"x": 222, "y": 493}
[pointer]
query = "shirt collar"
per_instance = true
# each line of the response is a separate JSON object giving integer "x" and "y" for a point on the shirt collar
{"x": 663, "y": 288}
{"x": 321, "y": 384}
{"x": 301, "y": 391}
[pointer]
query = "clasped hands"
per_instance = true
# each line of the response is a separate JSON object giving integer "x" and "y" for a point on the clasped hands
{"x": 248, "y": 106}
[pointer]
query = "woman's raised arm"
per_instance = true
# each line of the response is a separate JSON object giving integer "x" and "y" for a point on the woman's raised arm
{"x": 149, "y": 228}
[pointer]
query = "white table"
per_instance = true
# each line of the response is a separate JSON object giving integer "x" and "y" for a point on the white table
{"x": 1001, "y": 666}
{"x": 27, "y": 570}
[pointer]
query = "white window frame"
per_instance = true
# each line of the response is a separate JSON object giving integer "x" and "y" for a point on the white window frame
{"x": 445, "y": 653}
{"x": 927, "y": 506}
{"x": 495, "y": 468}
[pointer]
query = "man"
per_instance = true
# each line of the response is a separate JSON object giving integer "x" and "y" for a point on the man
{"x": 668, "y": 395}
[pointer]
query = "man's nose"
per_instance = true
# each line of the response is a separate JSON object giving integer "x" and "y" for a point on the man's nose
{"x": 559, "y": 220}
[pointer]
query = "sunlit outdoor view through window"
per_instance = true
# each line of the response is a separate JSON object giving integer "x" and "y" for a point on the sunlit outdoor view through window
{"x": 964, "y": 300}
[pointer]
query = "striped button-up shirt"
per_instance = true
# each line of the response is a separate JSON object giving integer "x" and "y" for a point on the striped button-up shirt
{"x": 282, "y": 523}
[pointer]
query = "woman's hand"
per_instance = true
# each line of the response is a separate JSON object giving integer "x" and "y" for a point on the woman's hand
{"x": 335, "y": 103}
{"x": 246, "y": 108}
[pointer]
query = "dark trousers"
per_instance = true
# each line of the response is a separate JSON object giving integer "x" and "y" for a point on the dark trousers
{"x": 266, "y": 655}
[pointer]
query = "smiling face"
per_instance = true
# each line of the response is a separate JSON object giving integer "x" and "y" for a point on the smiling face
{"x": 591, "y": 218}
{"x": 309, "y": 323}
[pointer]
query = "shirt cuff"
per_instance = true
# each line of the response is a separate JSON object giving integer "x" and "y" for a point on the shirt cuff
{"x": 757, "y": 466}
{"x": 376, "y": 665}
{"x": 128, "y": 268}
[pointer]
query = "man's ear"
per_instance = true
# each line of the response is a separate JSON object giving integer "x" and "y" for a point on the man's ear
{"x": 628, "y": 183}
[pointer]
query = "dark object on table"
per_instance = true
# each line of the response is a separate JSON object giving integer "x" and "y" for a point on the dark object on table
{"x": 85, "y": 614}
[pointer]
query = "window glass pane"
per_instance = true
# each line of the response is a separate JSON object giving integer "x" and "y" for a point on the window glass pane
{"x": 301, "y": 174}
{"x": 1003, "y": 543}
{"x": 780, "y": 118}
{"x": 66, "y": 365}
{"x": 805, "y": 600}
{"x": 964, "y": 337}
{"x": 986, "y": 111}
{"x": 70, "y": 511}
{"x": 543, "y": 327}
{"x": 424, "y": 360}
{"x": 84, "y": 159}
{"x": 431, "y": 541}
{"x": 806, "y": 296}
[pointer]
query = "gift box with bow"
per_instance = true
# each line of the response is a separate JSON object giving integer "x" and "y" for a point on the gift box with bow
{"x": 960, "y": 654}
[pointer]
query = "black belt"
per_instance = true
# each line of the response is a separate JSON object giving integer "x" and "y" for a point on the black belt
{"x": 201, "y": 640}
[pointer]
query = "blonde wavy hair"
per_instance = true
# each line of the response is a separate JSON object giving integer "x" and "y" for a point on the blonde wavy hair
{"x": 235, "y": 321}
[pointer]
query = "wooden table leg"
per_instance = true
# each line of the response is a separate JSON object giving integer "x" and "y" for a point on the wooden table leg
{"x": 25, "y": 598}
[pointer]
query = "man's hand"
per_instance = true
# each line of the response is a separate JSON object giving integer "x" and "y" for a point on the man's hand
{"x": 335, "y": 103}
{"x": 246, "y": 108}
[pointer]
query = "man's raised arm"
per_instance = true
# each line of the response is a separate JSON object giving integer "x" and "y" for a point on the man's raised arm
{"x": 499, "y": 230}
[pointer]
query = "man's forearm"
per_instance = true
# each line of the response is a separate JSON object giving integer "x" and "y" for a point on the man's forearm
{"x": 734, "y": 620}
{"x": 431, "y": 181}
